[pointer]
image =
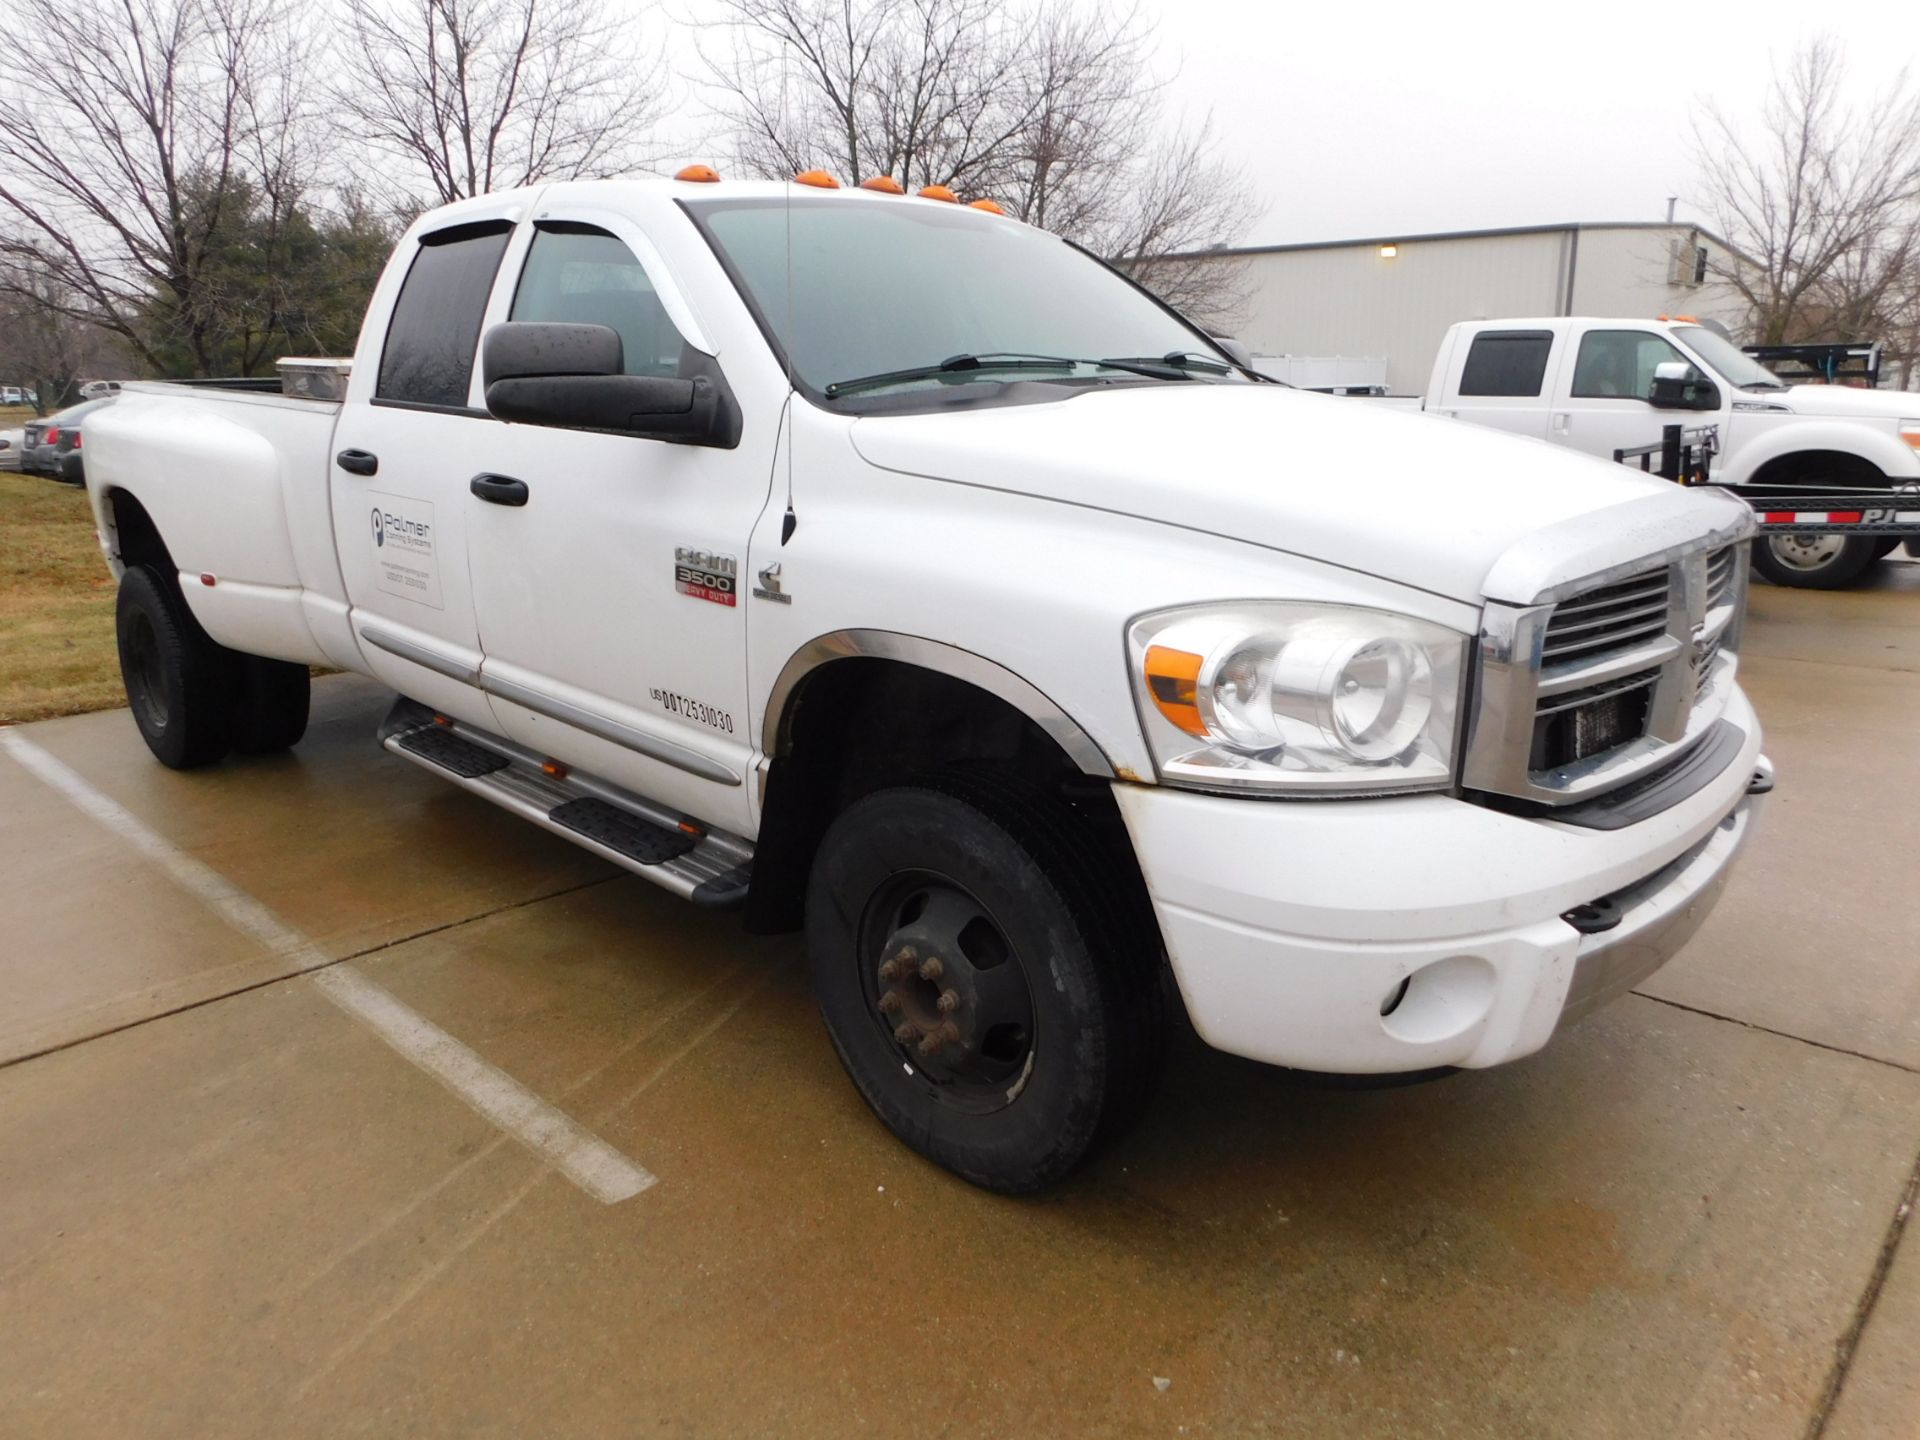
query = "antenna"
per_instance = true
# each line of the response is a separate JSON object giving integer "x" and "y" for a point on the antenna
{"x": 789, "y": 521}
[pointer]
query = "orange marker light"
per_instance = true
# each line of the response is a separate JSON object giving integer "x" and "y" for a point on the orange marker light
{"x": 1173, "y": 680}
{"x": 885, "y": 184}
{"x": 818, "y": 178}
{"x": 992, "y": 207}
{"x": 939, "y": 192}
{"x": 698, "y": 174}
{"x": 553, "y": 769}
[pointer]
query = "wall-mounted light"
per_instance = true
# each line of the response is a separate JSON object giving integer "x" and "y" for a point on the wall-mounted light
{"x": 1387, "y": 252}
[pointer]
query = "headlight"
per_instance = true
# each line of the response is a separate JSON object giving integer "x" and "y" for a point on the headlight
{"x": 1323, "y": 699}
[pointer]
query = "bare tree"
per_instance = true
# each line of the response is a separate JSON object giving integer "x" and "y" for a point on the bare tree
{"x": 130, "y": 132}
{"x": 1049, "y": 108}
{"x": 1824, "y": 200}
{"x": 43, "y": 345}
{"x": 479, "y": 95}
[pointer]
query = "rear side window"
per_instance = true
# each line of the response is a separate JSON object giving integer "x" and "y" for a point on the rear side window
{"x": 1506, "y": 362}
{"x": 584, "y": 276}
{"x": 428, "y": 357}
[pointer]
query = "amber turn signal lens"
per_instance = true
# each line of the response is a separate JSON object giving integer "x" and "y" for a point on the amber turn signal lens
{"x": 817, "y": 178}
{"x": 885, "y": 184}
{"x": 1173, "y": 680}
{"x": 698, "y": 174}
{"x": 939, "y": 192}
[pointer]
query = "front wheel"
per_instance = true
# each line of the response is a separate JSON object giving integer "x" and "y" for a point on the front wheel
{"x": 985, "y": 977}
{"x": 1814, "y": 561}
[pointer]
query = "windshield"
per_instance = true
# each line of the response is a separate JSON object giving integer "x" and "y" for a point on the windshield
{"x": 888, "y": 292}
{"x": 1738, "y": 368}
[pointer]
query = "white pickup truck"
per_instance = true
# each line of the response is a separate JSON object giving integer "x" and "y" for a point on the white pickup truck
{"x": 887, "y": 567}
{"x": 1833, "y": 472}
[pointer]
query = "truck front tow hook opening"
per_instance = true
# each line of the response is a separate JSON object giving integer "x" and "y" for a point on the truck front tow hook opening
{"x": 1593, "y": 917}
{"x": 1761, "y": 783}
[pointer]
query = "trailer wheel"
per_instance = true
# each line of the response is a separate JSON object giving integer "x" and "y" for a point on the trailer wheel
{"x": 270, "y": 699}
{"x": 1805, "y": 560}
{"x": 175, "y": 676}
{"x": 976, "y": 968}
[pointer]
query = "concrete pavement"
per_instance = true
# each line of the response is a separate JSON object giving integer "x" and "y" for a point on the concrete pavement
{"x": 229, "y": 1208}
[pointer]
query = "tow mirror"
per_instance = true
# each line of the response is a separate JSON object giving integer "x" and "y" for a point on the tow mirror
{"x": 571, "y": 377}
{"x": 1678, "y": 386}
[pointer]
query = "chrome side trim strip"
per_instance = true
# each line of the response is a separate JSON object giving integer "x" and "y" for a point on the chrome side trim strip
{"x": 654, "y": 748}
{"x": 944, "y": 659}
{"x": 420, "y": 655}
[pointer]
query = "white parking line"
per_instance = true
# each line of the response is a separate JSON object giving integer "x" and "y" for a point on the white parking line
{"x": 583, "y": 1157}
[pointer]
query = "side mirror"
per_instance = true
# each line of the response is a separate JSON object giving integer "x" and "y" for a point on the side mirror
{"x": 1678, "y": 386}
{"x": 1235, "y": 351}
{"x": 570, "y": 377}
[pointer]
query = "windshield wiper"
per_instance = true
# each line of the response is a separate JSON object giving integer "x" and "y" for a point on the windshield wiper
{"x": 1178, "y": 360}
{"x": 1000, "y": 360}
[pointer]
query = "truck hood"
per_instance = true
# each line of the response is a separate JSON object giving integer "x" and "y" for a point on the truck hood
{"x": 1842, "y": 402}
{"x": 1433, "y": 503}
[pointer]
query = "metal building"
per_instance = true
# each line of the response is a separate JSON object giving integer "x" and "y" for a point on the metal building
{"x": 1390, "y": 298}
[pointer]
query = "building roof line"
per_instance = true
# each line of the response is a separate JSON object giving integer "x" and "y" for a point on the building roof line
{"x": 1494, "y": 233}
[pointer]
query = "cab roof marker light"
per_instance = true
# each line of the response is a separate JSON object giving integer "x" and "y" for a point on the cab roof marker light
{"x": 940, "y": 193}
{"x": 992, "y": 207}
{"x": 884, "y": 184}
{"x": 698, "y": 174}
{"x": 819, "y": 179}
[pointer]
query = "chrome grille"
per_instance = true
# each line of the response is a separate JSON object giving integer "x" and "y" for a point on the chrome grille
{"x": 1583, "y": 691}
{"x": 1612, "y": 617}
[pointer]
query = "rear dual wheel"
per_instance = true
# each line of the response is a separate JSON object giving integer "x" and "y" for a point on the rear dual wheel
{"x": 1814, "y": 561}
{"x": 985, "y": 976}
{"x": 192, "y": 699}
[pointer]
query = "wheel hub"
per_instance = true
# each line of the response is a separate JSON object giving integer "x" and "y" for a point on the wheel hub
{"x": 951, "y": 993}
{"x": 1806, "y": 550}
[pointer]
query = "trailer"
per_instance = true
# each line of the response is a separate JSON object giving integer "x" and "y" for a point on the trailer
{"x": 1825, "y": 535}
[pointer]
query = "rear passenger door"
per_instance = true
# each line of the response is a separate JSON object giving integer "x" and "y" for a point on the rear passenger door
{"x": 1500, "y": 380}
{"x": 409, "y": 439}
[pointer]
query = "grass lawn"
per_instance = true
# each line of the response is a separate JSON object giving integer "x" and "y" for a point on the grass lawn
{"x": 57, "y": 654}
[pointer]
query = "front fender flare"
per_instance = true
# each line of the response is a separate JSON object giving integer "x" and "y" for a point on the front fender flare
{"x": 945, "y": 659}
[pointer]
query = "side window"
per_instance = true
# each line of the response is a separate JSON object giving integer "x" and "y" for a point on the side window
{"x": 1506, "y": 362}
{"x": 428, "y": 357}
{"x": 1619, "y": 364}
{"x": 584, "y": 276}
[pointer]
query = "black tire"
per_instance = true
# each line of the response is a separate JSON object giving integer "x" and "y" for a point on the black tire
{"x": 176, "y": 677}
{"x": 1006, "y": 1110}
{"x": 1885, "y": 546}
{"x": 270, "y": 699}
{"x": 1790, "y": 559}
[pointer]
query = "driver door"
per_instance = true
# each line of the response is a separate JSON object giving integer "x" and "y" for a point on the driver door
{"x": 1604, "y": 402}
{"x": 612, "y": 614}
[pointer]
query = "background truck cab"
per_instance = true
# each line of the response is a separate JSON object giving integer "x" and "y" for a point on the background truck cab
{"x": 1605, "y": 385}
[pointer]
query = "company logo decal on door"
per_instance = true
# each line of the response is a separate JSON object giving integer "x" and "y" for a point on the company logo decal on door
{"x": 405, "y": 557}
{"x": 705, "y": 575}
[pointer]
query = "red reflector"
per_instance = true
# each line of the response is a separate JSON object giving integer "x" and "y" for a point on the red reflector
{"x": 1777, "y": 517}
{"x": 207, "y": 579}
{"x": 1843, "y": 517}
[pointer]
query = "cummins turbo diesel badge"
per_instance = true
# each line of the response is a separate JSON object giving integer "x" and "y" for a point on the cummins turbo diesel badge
{"x": 705, "y": 576}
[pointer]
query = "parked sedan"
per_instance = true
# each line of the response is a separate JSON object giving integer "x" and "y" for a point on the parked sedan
{"x": 52, "y": 446}
{"x": 10, "y": 449}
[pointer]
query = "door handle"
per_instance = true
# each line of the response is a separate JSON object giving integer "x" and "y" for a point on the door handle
{"x": 358, "y": 462}
{"x": 499, "y": 489}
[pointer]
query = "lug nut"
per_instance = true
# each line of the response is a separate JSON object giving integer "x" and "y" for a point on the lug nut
{"x": 932, "y": 969}
{"x": 907, "y": 1032}
{"x": 949, "y": 1001}
{"x": 931, "y": 1045}
{"x": 889, "y": 1003}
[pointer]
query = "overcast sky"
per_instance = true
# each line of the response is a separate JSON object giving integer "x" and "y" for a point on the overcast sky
{"x": 1359, "y": 119}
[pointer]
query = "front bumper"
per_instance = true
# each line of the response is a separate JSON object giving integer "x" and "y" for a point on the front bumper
{"x": 1395, "y": 934}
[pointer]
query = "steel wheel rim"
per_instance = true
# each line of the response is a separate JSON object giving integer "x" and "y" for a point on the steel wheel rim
{"x": 146, "y": 674}
{"x": 947, "y": 991}
{"x": 1807, "y": 551}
